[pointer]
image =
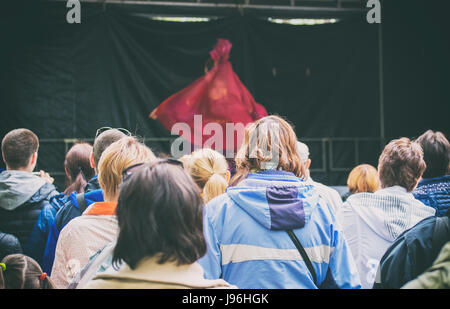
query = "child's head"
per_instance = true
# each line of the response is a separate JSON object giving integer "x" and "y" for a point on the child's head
{"x": 209, "y": 169}
{"x": 363, "y": 178}
{"x": 18, "y": 271}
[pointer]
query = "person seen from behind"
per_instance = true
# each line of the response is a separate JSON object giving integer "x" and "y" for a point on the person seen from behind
{"x": 434, "y": 187}
{"x": 78, "y": 170}
{"x": 329, "y": 194}
{"x": 18, "y": 271}
{"x": 77, "y": 202}
{"x": 209, "y": 169}
{"x": 362, "y": 178}
{"x": 161, "y": 238}
{"x": 373, "y": 221}
{"x": 257, "y": 227}
{"x": 23, "y": 194}
{"x": 83, "y": 236}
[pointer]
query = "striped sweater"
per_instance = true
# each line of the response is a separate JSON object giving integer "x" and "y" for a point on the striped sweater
{"x": 372, "y": 221}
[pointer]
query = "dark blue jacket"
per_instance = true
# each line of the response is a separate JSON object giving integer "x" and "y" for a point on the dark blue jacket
{"x": 65, "y": 214}
{"x": 9, "y": 244}
{"x": 434, "y": 192}
{"x": 413, "y": 252}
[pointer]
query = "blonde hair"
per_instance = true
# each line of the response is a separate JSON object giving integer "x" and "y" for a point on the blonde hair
{"x": 187, "y": 162}
{"x": 268, "y": 135}
{"x": 120, "y": 155}
{"x": 208, "y": 168}
{"x": 363, "y": 178}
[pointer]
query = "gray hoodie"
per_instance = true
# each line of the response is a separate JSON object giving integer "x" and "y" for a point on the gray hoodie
{"x": 372, "y": 221}
{"x": 17, "y": 187}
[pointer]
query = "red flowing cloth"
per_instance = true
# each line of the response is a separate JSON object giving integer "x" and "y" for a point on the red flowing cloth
{"x": 219, "y": 97}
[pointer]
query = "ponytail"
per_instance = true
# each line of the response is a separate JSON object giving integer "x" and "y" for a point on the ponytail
{"x": 209, "y": 170}
{"x": 78, "y": 168}
{"x": 215, "y": 186}
{"x": 78, "y": 184}
{"x": 46, "y": 282}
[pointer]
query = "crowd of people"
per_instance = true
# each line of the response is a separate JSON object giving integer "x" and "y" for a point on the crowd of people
{"x": 130, "y": 219}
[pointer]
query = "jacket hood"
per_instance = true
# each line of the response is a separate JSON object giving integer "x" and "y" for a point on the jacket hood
{"x": 389, "y": 215}
{"x": 18, "y": 187}
{"x": 278, "y": 200}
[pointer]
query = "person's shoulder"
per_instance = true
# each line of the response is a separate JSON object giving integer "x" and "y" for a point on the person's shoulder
{"x": 67, "y": 207}
{"x": 9, "y": 239}
{"x": 422, "y": 230}
{"x": 75, "y": 227}
{"x": 219, "y": 201}
{"x": 9, "y": 244}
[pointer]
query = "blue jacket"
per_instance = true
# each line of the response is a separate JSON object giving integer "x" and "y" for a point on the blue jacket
{"x": 38, "y": 237}
{"x": 67, "y": 212}
{"x": 434, "y": 192}
{"x": 249, "y": 247}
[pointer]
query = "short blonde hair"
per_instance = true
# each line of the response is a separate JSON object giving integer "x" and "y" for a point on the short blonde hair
{"x": 187, "y": 162}
{"x": 208, "y": 168}
{"x": 363, "y": 178}
{"x": 120, "y": 155}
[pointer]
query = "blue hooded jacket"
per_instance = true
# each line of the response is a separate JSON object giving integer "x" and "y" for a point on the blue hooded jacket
{"x": 65, "y": 214}
{"x": 249, "y": 247}
{"x": 38, "y": 237}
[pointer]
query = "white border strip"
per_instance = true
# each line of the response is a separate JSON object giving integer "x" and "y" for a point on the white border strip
{"x": 236, "y": 253}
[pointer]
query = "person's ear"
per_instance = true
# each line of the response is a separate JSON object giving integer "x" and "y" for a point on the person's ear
{"x": 33, "y": 159}
{"x": 91, "y": 160}
{"x": 32, "y": 162}
{"x": 308, "y": 164}
{"x": 227, "y": 176}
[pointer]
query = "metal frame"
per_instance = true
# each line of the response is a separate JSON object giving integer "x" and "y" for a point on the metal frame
{"x": 327, "y": 154}
{"x": 220, "y": 8}
{"x": 356, "y": 148}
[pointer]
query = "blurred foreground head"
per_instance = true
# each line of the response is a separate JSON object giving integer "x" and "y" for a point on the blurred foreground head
{"x": 160, "y": 214}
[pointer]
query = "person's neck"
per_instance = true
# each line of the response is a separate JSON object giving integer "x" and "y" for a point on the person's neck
{"x": 110, "y": 199}
{"x": 22, "y": 169}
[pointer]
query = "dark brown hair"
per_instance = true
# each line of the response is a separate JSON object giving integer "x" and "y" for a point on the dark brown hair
{"x": 23, "y": 272}
{"x": 436, "y": 153}
{"x": 160, "y": 213}
{"x": 262, "y": 138}
{"x": 78, "y": 168}
{"x": 401, "y": 163}
{"x": 18, "y": 146}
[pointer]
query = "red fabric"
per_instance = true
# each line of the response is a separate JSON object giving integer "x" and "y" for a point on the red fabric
{"x": 218, "y": 96}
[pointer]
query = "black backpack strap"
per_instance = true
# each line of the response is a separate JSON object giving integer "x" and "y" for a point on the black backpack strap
{"x": 304, "y": 255}
{"x": 81, "y": 202}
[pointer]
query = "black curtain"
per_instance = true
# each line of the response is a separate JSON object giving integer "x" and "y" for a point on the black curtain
{"x": 66, "y": 80}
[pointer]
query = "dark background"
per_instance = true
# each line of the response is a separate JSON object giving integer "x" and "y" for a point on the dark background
{"x": 66, "y": 80}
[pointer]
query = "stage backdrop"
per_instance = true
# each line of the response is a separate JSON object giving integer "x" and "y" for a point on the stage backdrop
{"x": 66, "y": 80}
